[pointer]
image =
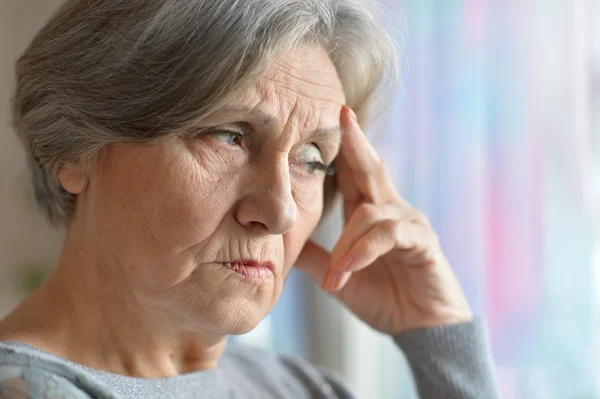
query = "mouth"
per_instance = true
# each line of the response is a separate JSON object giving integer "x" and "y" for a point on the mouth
{"x": 251, "y": 269}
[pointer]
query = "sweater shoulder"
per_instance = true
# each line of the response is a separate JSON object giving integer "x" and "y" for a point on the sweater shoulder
{"x": 31, "y": 373}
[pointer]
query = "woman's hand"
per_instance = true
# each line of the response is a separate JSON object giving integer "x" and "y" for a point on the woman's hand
{"x": 387, "y": 266}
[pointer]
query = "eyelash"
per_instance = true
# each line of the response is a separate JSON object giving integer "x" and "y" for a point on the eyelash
{"x": 329, "y": 170}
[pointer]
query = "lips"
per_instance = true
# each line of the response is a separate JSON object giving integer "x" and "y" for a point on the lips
{"x": 251, "y": 269}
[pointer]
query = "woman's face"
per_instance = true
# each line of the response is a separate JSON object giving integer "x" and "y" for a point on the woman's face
{"x": 245, "y": 186}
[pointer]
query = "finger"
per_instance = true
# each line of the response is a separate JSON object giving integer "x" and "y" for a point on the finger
{"x": 416, "y": 242}
{"x": 345, "y": 180}
{"x": 414, "y": 233}
{"x": 367, "y": 170}
{"x": 335, "y": 280}
{"x": 362, "y": 220}
{"x": 314, "y": 260}
{"x": 378, "y": 241}
{"x": 353, "y": 189}
{"x": 419, "y": 257}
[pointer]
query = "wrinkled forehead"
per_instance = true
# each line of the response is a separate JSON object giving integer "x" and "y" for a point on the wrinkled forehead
{"x": 307, "y": 72}
{"x": 299, "y": 86}
{"x": 300, "y": 90}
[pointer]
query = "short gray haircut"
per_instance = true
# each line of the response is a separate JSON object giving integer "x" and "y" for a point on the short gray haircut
{"x": 111, "y": 71}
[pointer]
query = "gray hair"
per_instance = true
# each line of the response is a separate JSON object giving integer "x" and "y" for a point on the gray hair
{"x": 108, "y": 71}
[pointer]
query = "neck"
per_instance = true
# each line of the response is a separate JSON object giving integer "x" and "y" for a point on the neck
{"x": 84, "y": 314}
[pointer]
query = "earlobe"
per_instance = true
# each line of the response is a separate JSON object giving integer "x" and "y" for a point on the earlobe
{"x": 72, "y": 178}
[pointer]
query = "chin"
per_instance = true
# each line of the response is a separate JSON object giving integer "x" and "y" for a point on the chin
{"x": 241, "y": 318}
{"x": 244, "y": 327}
{"x": 229, "y": 305}
{"x": 231, "y": 315}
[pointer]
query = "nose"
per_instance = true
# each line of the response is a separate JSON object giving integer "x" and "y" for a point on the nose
{"x": 268, "y": 206}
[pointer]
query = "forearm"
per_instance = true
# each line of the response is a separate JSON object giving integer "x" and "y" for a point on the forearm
{"x": 451, "y": 361}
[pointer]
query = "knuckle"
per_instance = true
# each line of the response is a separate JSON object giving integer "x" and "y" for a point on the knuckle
{"x": 397, "y": 230}
{"x": 367, "y": 211}
{"x": 393, "y": 227}
{"x": 420, "y": 217}
{"x": 369, "y": 246}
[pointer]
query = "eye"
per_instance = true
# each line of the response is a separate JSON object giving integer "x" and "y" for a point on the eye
{"x": 228, "y": 137}
{"x": 310, "y": 161}
{"x": 314, "y": 167}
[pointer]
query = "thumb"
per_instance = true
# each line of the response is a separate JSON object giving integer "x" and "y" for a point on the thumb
{"x": 314, "y": 261}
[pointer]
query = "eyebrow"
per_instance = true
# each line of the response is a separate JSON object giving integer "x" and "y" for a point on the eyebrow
{"x": 271, "y": 121}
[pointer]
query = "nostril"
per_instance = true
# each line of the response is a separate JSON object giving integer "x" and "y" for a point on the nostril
{"x": 258, "y": 226}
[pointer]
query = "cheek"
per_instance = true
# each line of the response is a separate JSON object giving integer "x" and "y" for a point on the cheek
{"x": 307, "y": 192}
{"x": 195, "y": 196}
{"x": 310, "y": 209}
{"x": 172, "y": 198}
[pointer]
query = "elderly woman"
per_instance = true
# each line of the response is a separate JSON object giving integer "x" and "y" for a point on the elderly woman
{"x": 188, "y": 148}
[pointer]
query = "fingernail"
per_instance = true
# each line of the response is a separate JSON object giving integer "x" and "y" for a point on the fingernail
{"x": 329, "y": 280}
{"x": 338, "y": 280}
{"x": 343, "y": 280}
{"x": 346, "y": 263}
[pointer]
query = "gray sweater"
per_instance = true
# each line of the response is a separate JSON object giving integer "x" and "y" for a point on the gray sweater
{"x": 447, "y": 362}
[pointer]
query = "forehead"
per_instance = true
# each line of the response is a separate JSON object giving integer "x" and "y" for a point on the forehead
{"x": 304, "y": 77}
{"x": 309, "y": 72}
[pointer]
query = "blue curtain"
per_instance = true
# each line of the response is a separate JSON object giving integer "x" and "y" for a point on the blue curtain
{"x": 493, "y": 138}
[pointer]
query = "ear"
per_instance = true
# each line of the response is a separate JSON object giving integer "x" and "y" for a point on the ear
{"x": 73, "y": 178}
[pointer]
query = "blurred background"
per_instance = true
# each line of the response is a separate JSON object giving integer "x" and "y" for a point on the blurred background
{"x": 495, "y": 135}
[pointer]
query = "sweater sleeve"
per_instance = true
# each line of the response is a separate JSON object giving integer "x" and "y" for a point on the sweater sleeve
{"x": 451, "y": 362}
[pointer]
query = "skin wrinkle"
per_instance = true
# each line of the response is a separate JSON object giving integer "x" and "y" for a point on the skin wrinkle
{"x": 149, "y": 231}
{"x": 294, "y": 109}
{"x": 297, "y": 75}
{"x": 270, "y": 87}
{"x": 293, "y": 86}
{"x": 330, "y": 137}
{"x": 154, "y": 219}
